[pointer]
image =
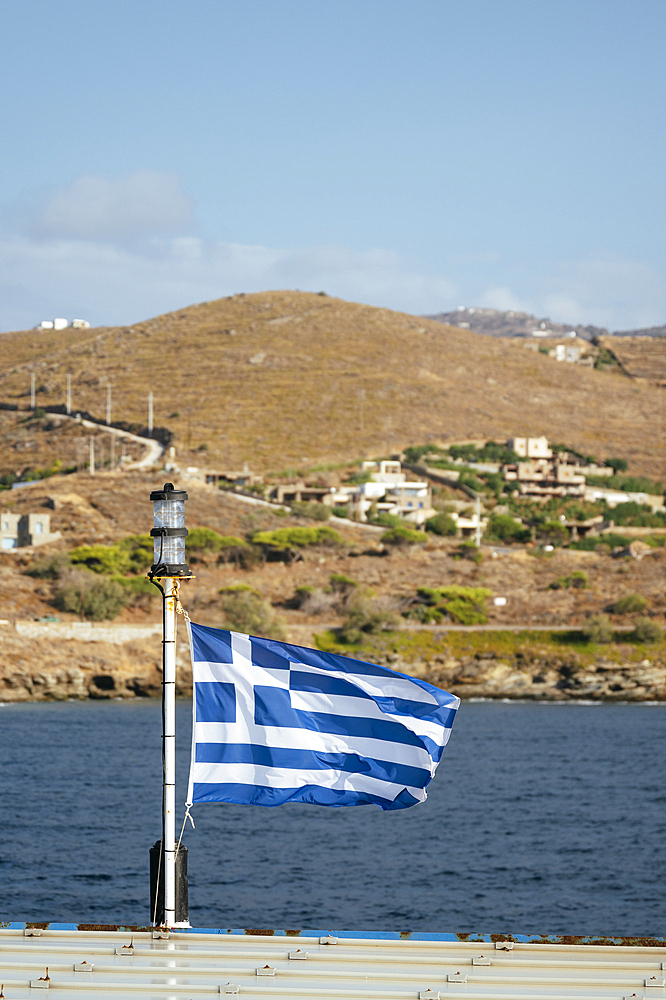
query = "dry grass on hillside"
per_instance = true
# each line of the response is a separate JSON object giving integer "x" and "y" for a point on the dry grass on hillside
{"x": 30, "y": 442}
{"x": 284, "y": 379}
{"x": 642, "y": 357}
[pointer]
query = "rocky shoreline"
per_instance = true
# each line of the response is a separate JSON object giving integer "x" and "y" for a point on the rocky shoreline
{"x": 551, "y": 679}
{"x": 38, "y": 669}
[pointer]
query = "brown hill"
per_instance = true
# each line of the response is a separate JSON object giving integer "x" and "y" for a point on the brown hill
{"x": 283, "y": 379}
{"x": 641, "y": 357}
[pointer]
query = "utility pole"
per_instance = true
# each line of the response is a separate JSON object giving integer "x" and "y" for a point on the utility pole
{"x": 108, "y": 404}
{"x": 32, "y": 392}
{"x": 68, "y": 406}
{"x": 478, "y": 520}
{"x": 92, "y": 456}
{"x": 150, "y": 414}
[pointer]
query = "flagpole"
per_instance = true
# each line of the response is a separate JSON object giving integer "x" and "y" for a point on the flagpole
{"x": 169, "y": 738}
{"x": 168, "y": 860}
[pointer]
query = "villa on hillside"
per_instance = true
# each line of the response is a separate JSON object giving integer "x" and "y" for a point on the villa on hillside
{"x": 25, "y": 530}
{"x": 386, "y": 490}
{"x": 548, "y": 474}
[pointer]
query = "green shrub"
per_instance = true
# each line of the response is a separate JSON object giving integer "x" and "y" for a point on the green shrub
{"x": 140, "y": 550}
{"x": 494, "y": 483}
{"x": 400, "y": 535}
{"x": 239, "y": 588}
{"x": 638, "y": 515}
{"x": 50, "y": 567}
{"x": 442, "y": 524}
{"x": 136, "y": 585}
{"x": 552, "y": 531}
{"x": 617, "y": 464}
{"x": 469, "y": 480}
{"x": 646, "y": 630}
{"x": 631, "y": 604}
{"x": 341, "y": 511}
{"x": 385, "y": 520}
{"x": 342, "y": 584}
{"x": 302, "y": 595}
{"x": 425, "y": 614}
{"x": 204, "y": 540}
{"x": 133, "y": 554}
{"x": 368, "y": 615}
{"x": 630, "y": 484}
{"x": 505, "y": 528}
{"x": 578, "y": 580}
{"x": 313, "y": 510}
{"x": 94, "y": 598}
{"x": 139, "y": 591}
{"x": 469, "y": 550}
{"x": 598, "y": 629}
{"x": 229, "y": 547}
{"x": 593, "y": 543}
{"x": 101, "y": 558}
{"x": 288, "y": 541}
{"x": 490, "y": 452}
{"x": 465, "y": 605}
{"x": 246, "y": 611}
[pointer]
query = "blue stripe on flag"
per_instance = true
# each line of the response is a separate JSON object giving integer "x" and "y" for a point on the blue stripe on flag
{"x": 307, "y": 760}
{"x": 272, "y": 707}
{"x": 300, "y": 680}
{"x": 261, "y": 795}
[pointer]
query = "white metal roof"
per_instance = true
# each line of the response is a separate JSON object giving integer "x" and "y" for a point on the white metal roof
{"x": 90, "y": 964}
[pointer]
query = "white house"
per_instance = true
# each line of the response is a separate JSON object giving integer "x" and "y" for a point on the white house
{"x": 614, "y": 497}
{"x": 530, "y": 447}
{"x": 388, "y": 491}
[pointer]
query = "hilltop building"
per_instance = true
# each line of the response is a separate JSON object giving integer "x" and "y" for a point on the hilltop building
{"x": 233, "y": 477}
{"x": 387, "y": 490}
{"x": 25, "y": 530}
{"x": 545, "y": 474}
{"x": 530, "y": 447}
{"x": 61, "y": 324}
{"x": 613, "y": 497}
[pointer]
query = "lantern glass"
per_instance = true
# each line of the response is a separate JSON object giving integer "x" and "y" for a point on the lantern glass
{"x": 169, "y": 513}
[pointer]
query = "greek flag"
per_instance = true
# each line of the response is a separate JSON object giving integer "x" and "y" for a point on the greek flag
{"x": 277, "y": 723}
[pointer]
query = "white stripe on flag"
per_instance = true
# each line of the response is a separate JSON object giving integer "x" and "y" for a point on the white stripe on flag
{"x": 310, "y": 739}
{"x": 279, "y": 777}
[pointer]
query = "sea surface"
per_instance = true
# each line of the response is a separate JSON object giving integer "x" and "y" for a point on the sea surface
{"x": 541, "y": 819}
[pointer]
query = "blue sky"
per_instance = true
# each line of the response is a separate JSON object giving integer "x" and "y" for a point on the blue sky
{"x": 419, "y": 155}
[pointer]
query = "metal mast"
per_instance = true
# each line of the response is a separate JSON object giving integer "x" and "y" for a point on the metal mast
{"x": 168, "y": 867}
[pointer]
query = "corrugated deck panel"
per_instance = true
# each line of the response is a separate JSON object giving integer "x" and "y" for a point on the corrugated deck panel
{"x": 261, "y": 965}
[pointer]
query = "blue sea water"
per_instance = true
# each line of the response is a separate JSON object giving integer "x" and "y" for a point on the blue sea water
{"x": 541, "y": 819}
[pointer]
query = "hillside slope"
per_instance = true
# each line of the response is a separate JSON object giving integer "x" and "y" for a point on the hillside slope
{"x": 283, "y": 379}
{"x": 641, "y": 357}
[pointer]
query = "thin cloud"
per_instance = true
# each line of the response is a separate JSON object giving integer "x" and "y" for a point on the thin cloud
{"x": 110, "y": 283}
{"x": 98, "y": 208}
